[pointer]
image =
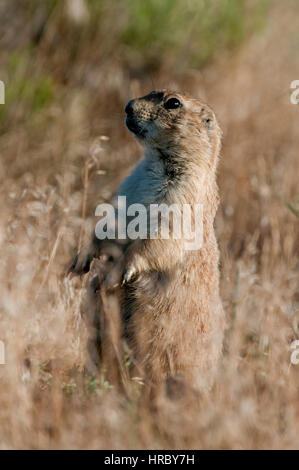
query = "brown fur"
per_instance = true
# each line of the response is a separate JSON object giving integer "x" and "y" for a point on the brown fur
{"x": 170, "y": 295}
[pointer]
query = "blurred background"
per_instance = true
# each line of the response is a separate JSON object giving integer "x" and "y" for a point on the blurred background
{"x": 69, "y": 67}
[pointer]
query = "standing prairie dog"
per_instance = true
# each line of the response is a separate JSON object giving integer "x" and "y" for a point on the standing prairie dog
{"x": 171, "y": 304}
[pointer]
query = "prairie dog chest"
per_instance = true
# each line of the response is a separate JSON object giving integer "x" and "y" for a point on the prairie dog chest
{"x": 146, "y": 184}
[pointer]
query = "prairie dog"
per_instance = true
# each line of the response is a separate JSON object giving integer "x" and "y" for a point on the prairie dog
{"x": 171, "y": 304}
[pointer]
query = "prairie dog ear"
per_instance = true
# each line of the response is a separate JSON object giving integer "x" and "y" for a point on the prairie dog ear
{"x": 208, "y": 118}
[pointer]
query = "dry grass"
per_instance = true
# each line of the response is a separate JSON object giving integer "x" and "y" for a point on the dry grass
{"x": 46, "y": 398}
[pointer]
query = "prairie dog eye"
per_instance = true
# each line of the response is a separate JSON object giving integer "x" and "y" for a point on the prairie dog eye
{"x": 172, "y": 103}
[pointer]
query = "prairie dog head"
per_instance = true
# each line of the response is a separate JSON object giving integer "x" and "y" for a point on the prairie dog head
{"x": 175, "y": 125}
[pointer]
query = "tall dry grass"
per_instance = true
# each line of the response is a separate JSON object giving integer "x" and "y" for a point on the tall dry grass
{"x": 47, "y": 399}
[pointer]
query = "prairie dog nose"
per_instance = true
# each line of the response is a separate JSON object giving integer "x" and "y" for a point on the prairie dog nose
{"x": 129, "y": 108}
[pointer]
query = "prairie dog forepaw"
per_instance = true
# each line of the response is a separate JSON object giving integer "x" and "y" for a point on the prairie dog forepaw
{"x": 81, "y": 262}
{"x": 128, "y": 275}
